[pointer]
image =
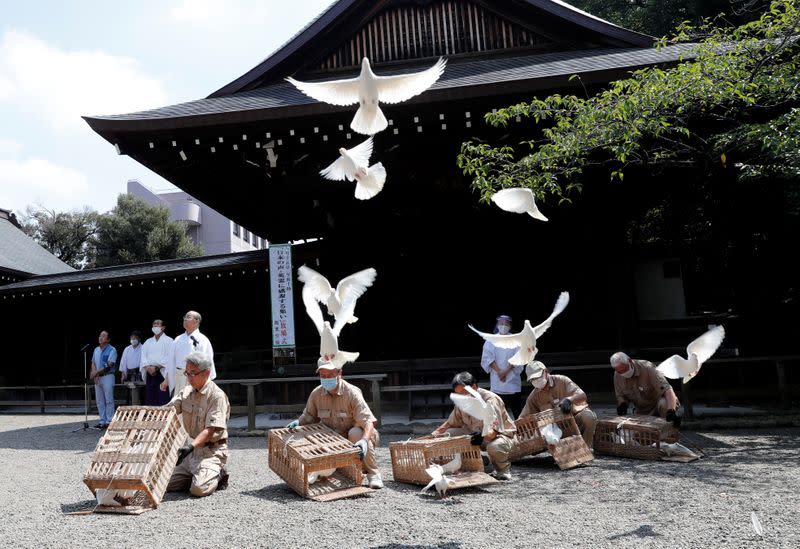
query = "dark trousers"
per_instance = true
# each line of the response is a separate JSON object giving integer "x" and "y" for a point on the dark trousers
{"x": 153, "y": 395}
{"x": 513, "y": 403}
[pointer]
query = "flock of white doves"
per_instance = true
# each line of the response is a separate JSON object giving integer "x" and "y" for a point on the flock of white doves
{"x": 369, "y": 90}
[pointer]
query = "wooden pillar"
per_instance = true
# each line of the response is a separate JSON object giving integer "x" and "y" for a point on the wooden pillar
{"x": 783, "y": 390}
{"x": 376, "y": 400}
{"x": 41, "y": 399}
{"x": 686, "y": 402}
{"x": 251, "y": 407}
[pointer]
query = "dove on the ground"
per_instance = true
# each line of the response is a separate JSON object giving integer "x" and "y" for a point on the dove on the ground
{"x": 698, "y": 351}
{"x": 369, "y": 90}
{"x": 518, "y": 200}
{"x": 474, "y": 405}
{"x": 453, "y": 466}
{"x": 316, "y": 475}
{"x": 526, "y": 339}
{"x": 438, "y": 480}
{"x": 757, "y": 528}
{"x": 353, "y": 165}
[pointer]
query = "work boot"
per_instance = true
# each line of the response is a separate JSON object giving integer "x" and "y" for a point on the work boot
{"x": 222, "y": 483}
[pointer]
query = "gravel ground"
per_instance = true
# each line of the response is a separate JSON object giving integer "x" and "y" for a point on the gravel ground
{"x": 609, "y": 503}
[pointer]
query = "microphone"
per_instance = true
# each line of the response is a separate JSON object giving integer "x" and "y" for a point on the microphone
{"x": 86, "y": 347}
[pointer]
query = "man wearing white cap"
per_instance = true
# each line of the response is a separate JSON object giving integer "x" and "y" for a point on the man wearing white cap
{"x": 638, "y": 382}
{"x": 504, "y": 377}
{"x": 341, "y": 406}
{"x": 552, "y": 391}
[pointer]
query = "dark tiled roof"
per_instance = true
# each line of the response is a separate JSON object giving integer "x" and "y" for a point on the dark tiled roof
{"x": 338, "y": 10}
{"x": 138, "y": 271}
{"x": 456, "y": 75}
{"x": 19, "y": 252}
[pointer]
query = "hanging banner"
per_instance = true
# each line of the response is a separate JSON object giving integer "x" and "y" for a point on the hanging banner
{"x": 280, "y": 278}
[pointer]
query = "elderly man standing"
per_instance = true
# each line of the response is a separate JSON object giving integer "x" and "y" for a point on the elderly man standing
{"x": 156, "y": 357}
{"x": 189, "y": 341}
{"x": 341, "y": 406}
{"x": 552, "y": 391}
{"x": 205, "y": 411}
{"x": 504, "y": 377}
{"x": 638, "y": 382}
{"x": 499, "y": 441}
{"x": 104, "y": 358}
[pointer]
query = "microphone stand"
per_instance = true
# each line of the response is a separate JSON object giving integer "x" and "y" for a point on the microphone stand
{"x": 85, "y": 391}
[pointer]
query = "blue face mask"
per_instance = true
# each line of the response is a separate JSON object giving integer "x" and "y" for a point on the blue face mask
{"x": 329, "y": 384}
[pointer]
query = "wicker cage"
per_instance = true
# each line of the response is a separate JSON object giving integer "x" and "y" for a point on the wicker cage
{"x": 529, "y": 439}
{"x": 571, "y": 450}
{"x": 638, "y": 437}
{"x": 293, "y": 455}
{"x": 136, "y": 454}
{"x": 410, "y": 458}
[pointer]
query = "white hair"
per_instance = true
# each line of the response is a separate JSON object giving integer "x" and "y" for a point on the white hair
{"x": 199, "y": 359}
{"x": 619, "y": 358}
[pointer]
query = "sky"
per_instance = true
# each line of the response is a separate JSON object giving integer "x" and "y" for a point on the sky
{"x": 61, "y": 60}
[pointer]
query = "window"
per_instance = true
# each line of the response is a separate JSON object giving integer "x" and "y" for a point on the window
{"x": 255, "y": 241}
{"x": 264, "y": 244}
{"x": 246, "y": 235}
{"x": 236, "y": 229}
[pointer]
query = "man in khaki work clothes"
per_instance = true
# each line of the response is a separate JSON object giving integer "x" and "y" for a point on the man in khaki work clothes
{"x": 552, "y": 391}
{"x": 498, "y": 442}
{"x": 638, "y": 382}
{"x": 205, "y": 411}
{"x": 341, "y": 406}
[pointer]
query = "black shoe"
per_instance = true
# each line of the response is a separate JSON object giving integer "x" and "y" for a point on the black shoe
{"x": 222, "y": 483}
{"x": 99, "y": 426}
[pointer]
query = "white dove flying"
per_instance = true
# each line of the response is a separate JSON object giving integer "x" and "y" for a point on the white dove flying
{"x": 475, "y": 407}
{"x": 698, "y": 351}
{"x": 518, "y": 200}
{"x": 526, "y": 339}
{"x": 368, "y": 90}
{"x": 341, "y": 302}
{"x": 353, "y": 165}
{"x": 438, "y": 480}
{"x": 317, "y": 289}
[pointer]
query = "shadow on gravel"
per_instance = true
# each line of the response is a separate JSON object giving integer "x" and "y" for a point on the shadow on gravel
{"x": 643, "y": 531}
{"x": 52, "y": 437}
{"x": 446, "y": 545}
{"x": 85, "y": 505}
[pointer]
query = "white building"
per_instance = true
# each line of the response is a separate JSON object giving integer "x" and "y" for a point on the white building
{"x": 207, "y": 227}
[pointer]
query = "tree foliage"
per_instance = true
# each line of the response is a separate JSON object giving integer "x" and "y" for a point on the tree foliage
{"x": 661, "y": 17}
{"x": 70, "y": 236}
{"x": 135, "y": 232}
{"x": 731, "y": 107}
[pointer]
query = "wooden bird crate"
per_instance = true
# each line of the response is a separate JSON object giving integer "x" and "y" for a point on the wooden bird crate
{"x": 310, "y": 448}
{"x": 571, "y": 450}
{"x": 138, "y": 452}
{"x": 638, "y": 437}
{"x": 530, "y": 440}
{"x": 410, "y": 458}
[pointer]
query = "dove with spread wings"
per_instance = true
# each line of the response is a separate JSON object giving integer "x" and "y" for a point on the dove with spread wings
{"x": 474, "y": 405}
{"x": 340, "y": 303}
{"x": 518, "y": 200}
{"x": 369, "y": 90}
{"x": 526, "y": 339}
{"x": 438, "y": 480}
{"x": 353, "y": 165}
{"x": 698, "y": 351}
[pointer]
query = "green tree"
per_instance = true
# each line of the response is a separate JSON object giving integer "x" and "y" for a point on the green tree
{"x": 135, "y": 232}
{"x": 730, "y": 110}
{"x": 70, "y": 236}
{"x": 661, "y": 17}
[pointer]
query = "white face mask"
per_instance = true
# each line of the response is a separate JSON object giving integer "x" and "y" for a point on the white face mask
{"x": 157, "y": 329}
{"x": 503, "y": 329}
{"x": 629, "y": 373}
{"x": 539, "y": 382}
{"x": 134, "y": 342}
